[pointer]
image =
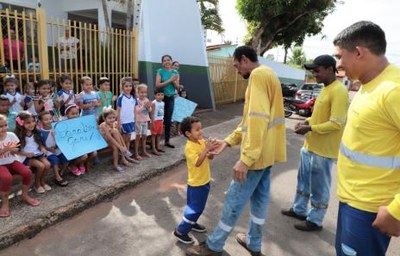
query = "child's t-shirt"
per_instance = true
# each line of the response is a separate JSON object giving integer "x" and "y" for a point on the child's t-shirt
{"x": 8, "y": 158}
{"x": 127, "y": 108}
{"x": 16, "y": 106}
{"x": 141, "y": 112}
{"x": 108, "y": 102}
{"x": 29, "y": 99}
{"x": 47, "y": 138}
{"x": 64, "y": 95}
{"x": 197, "y": 176}
{"x": 159, "y": 110}
{"x": 87, "y": 98}
{"x": 31, "y": 146}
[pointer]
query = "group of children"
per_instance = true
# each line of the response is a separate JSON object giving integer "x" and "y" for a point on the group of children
{"x": 27, "y": 140}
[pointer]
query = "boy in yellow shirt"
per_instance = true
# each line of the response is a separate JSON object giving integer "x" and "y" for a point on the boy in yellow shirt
{"x": 198, "y": 153}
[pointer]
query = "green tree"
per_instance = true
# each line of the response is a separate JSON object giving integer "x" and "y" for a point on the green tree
{"x": 298, "y": 57}
{"x": 209, "y": 15}
{"x": 282, "y": 22}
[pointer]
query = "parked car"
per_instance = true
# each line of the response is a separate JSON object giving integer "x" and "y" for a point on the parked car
{"x": 289, "y": 90}
{"x": 309, "y": 91}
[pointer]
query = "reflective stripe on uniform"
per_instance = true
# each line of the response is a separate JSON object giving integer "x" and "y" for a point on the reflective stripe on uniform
{"x": 388, "y": 162}
{"x": 224, "y": 227}
{"x": 276, "y": 121}
{"x": 259, "y": 114}
{"x": 338, "y": 120}
{"x": 188, "y": 221}
{"x": 256, "y": 220}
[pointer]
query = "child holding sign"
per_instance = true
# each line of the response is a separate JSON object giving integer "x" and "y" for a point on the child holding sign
{"x": 9, "y": 165}
{"x": 33, "y": 149}
{"x": 107, "y": 127}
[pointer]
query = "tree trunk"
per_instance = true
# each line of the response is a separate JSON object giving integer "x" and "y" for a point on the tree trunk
{"x": 285, "y": 56}
{"x": 129, "y": 15}
{"x": 105, "y": 11}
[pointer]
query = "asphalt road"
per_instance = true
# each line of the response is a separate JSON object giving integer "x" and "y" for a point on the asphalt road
{"x": 140, "y": 221}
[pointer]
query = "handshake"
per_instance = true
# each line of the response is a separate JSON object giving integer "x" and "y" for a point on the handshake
{"x": 214, "y": 146}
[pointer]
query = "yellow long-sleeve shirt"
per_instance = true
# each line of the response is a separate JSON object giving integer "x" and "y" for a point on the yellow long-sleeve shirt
{"x": 328, "y": 120}
{"x": 261, "y": 132}
{"x": 369, "y": 158}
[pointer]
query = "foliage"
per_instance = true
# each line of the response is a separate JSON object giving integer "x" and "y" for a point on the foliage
{"x": 297, "y": 58}
{"x": 209, "y": 15}
{"x": 282, "y": 22}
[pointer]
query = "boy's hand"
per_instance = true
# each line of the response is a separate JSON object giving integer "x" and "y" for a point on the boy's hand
{"x": 211, "y": 144}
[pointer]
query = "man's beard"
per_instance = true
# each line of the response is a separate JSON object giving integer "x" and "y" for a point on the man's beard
{"x": 246, "y": 76}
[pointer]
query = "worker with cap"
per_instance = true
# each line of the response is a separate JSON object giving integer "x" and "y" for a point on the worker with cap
{"x": 323, "y": 132}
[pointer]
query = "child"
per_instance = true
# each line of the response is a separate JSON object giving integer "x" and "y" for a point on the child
{"x": 5, "y": 111}
{"x": 157, "y": 120}
{"x": 33, "y": 149}
{"x": 45, "y": 101}
{"x": 9, "y": 165}
{"x": 78, "y": 165}
{"x": 13, "y": 96}
{"x": 34, "y": 65}
{"x": 54, "y": 155}
{"x": 126, "y": 103}
{"x": 29, "y": 99}
{"x": 113, "y": 137}
{"x": 142, "y": 114}
{"x": 66, "y": 95}
{"x": 88, "y": 99}
{"x": 106, "y": 97}
{"x": 198, "y": 152}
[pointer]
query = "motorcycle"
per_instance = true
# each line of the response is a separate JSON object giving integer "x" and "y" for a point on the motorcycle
{"x": 300, "y": 107}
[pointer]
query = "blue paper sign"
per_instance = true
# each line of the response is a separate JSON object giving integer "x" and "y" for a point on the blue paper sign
{"x": 183, "y": 108}
{"x": 78, "y": 136}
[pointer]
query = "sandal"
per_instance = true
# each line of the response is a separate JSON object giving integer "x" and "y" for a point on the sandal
{"x": 39, "y": 190}
{"x": 160, "y": 150}
{"x": 132, "y": 160}
{"x": 76, "y": 171}
{"x": 46, "y": 187}
{"x": 61, "y": 183}
{"x": 5, "y": 213}
{"x": 156, "y": 153}
{"x": 119, "y": 169}
{"x": 146, "y": 155}
{"x": 31, "y": 201}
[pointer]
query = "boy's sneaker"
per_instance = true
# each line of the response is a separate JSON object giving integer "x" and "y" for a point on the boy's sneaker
{"x": 199, "y": 228}
{"x": 183, "y": 238}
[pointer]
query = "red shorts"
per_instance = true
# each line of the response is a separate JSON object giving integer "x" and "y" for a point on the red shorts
{"x": 157, "y": 128}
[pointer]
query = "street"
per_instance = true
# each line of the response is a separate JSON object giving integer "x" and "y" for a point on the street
{"x": 140, "y": 221}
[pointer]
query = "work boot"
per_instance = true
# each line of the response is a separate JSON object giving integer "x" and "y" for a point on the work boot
{"x": 308, "y": 226}
{"x": 293, "y": 214}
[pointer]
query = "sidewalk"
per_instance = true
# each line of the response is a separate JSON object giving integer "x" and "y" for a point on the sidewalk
{"x": 101, "y": 184}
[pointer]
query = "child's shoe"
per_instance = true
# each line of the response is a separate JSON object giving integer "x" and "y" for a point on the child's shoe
{"x": 183, "y": 238}
{"x": 39, "y": 190}
{"x": 76, "y": 171}
{"x": 46, "y": 187}
{"x": 82, "y": 169}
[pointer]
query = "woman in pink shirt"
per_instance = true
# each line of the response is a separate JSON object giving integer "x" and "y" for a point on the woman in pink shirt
{"x": 17, "y": 50}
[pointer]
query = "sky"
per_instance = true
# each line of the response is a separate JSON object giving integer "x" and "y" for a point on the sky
{"x": 385, "y": 13}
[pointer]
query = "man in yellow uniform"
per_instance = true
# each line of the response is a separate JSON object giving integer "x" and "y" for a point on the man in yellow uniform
{"x": 323, "y": 131}
{"x": 261, "y": 135}
{"x": 369, "y": 158}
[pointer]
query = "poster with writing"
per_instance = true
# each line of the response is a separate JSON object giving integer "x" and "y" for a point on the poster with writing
{"x": 78, "y": 136}
{"x": 183, "y": 108}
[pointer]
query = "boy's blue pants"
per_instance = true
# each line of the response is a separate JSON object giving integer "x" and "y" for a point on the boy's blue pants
{"x": 196, "y": 202}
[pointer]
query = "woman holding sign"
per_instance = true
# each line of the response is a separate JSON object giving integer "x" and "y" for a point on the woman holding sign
{"x": 167, "y": 79}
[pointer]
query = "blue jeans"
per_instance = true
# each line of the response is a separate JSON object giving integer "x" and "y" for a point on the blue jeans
{"x": 313, "y": 182}
{"x": 256, "y": 188}
{"x": 355, "y": 235}
{"x": 196, "y": 201}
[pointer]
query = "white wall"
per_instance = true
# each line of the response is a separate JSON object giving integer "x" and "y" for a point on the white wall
{"x": 172, "y": 27}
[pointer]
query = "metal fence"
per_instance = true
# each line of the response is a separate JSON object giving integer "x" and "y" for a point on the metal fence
{"x": 33, "y": 48}
{"x": 228, "y": 86}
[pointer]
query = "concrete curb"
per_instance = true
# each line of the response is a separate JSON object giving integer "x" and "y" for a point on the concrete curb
{"x": 77, "y": 206}
{"x": 100, "y": 194}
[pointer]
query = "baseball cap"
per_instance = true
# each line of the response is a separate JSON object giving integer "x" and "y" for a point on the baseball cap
{"x": 322, "y": 60}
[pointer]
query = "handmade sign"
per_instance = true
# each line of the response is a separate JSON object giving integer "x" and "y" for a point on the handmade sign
{"x": 183, "y": 108}
{"x": 78, "y": 136}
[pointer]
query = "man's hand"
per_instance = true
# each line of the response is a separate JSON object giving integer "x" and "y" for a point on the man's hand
{"x": 302, "y": 129}
{"x": 386, "y": 223}
{"x": 221, "y": 145}
{"x": 239, "y": 172}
